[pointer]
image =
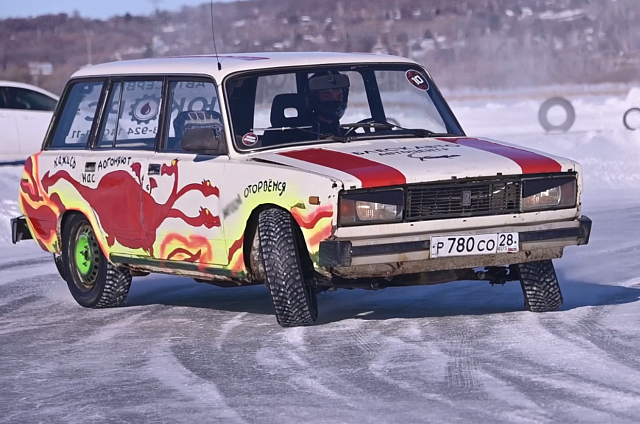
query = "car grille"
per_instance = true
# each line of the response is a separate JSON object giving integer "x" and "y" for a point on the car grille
{"x": 463, "y": 199}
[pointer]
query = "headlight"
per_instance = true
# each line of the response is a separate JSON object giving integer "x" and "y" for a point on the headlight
{"x": 371, "y": 207}
{"x": 549, "y": 193}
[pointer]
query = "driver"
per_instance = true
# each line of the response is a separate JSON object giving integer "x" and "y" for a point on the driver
{"x": 326, "y": 103}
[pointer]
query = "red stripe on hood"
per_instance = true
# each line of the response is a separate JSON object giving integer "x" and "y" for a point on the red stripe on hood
{"x": 370, "y": 173}
{"x": 530, "y": 162}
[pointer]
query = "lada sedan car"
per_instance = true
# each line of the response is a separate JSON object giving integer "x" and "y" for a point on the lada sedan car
{"x": 305, "y": 172}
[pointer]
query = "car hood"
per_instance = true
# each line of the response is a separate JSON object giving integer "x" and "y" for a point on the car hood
{"x": 379, "y": 163}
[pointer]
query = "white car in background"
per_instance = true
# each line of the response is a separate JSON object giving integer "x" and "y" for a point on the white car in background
{"x": 25, "y": 113}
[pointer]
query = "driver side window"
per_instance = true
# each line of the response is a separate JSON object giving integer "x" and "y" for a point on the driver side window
{"x": 195, "y": 120}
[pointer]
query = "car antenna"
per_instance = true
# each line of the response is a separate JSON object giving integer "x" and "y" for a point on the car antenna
{"x": 213, "y": 32}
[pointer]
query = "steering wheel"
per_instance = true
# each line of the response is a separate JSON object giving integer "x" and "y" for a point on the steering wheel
{"x": 366, "y": 129}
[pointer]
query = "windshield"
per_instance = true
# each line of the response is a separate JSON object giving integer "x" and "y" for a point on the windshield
{"x": 321, "y": 104}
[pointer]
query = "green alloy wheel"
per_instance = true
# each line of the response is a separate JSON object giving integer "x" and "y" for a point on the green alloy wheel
{"x": 87, "y": 257}
{"x": 94, "y": 282}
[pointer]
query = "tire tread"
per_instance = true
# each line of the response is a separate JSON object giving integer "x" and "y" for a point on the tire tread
{"x": 116, "y": 287}
{"x": 540, "y": 286}
{"x": 283, "y": 271}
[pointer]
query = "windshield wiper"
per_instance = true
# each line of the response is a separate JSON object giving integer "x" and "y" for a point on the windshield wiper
{"x": 321, "y": 137}
{"x": 419, "y": 132}
{"x": 334, "y": 137}
{"x": 367, "y": 125}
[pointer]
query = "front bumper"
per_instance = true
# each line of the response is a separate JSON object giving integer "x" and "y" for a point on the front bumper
{"x": 373, "y": 256}
{"x": 20, "y": 230}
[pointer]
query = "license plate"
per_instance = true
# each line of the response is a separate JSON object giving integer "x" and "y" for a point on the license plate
{"x": 474, "y": 245}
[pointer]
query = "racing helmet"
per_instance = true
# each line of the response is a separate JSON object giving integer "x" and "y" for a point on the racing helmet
{"x": 327, "y": 94}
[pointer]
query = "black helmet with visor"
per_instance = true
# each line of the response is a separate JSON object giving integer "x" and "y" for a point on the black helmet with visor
{"x": 327, "y": 94}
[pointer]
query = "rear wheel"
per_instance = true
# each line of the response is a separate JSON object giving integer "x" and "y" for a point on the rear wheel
{"x": 540, "y": 286}
{"x": 93, "y": 281}
{"x": 295, "y": 302}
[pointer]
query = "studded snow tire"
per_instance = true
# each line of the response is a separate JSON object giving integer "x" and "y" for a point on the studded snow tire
{"x": 104, "y": 285}
{"x": 540, "y": 286}
{"x": 295, "y": 302}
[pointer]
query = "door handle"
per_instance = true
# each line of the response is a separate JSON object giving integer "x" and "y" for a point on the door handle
{"x": 154, "y": 169}
{"x": 90, "y": 167}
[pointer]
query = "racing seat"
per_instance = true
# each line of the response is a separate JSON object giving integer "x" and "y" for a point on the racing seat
{"x": 282, "y": 102}
{"x": 193, "y": 119}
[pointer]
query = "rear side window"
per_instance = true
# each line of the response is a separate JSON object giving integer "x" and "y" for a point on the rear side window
{"x": 74, "y": 122}
{"x": 132, "y": 115}
{"x": 108, "y": 134}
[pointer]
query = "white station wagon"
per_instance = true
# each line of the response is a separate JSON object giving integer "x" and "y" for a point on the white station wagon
{"x": 304, "y": 172}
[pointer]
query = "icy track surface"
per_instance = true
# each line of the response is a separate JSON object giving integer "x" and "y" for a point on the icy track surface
{"x": 179, "y": 351}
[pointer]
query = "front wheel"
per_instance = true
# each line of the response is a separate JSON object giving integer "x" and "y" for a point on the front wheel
{"x": 93, "y": 281}
{"x": 540, "y": 286}
{"x": 295, "y": 302}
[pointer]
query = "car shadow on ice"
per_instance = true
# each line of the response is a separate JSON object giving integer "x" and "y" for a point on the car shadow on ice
{"x": 456, "y": 299}
{"x": 579, "y": 294}
{"x": 465, "y": 300}
{"x": 184, "y": 291}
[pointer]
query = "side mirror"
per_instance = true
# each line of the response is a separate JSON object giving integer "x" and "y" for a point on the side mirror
{"x": 202, "y": 132}
{"x": 206, "y": 140}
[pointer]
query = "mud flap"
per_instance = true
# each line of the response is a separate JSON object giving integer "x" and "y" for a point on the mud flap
{"x": 20, "y": 230}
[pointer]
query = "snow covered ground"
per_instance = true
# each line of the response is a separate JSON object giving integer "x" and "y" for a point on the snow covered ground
{"x": 179, "y": 351}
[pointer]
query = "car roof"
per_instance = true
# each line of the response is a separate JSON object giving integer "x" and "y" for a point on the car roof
{"x": 16, "y": 84}
{"x": 207, "y": 64}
